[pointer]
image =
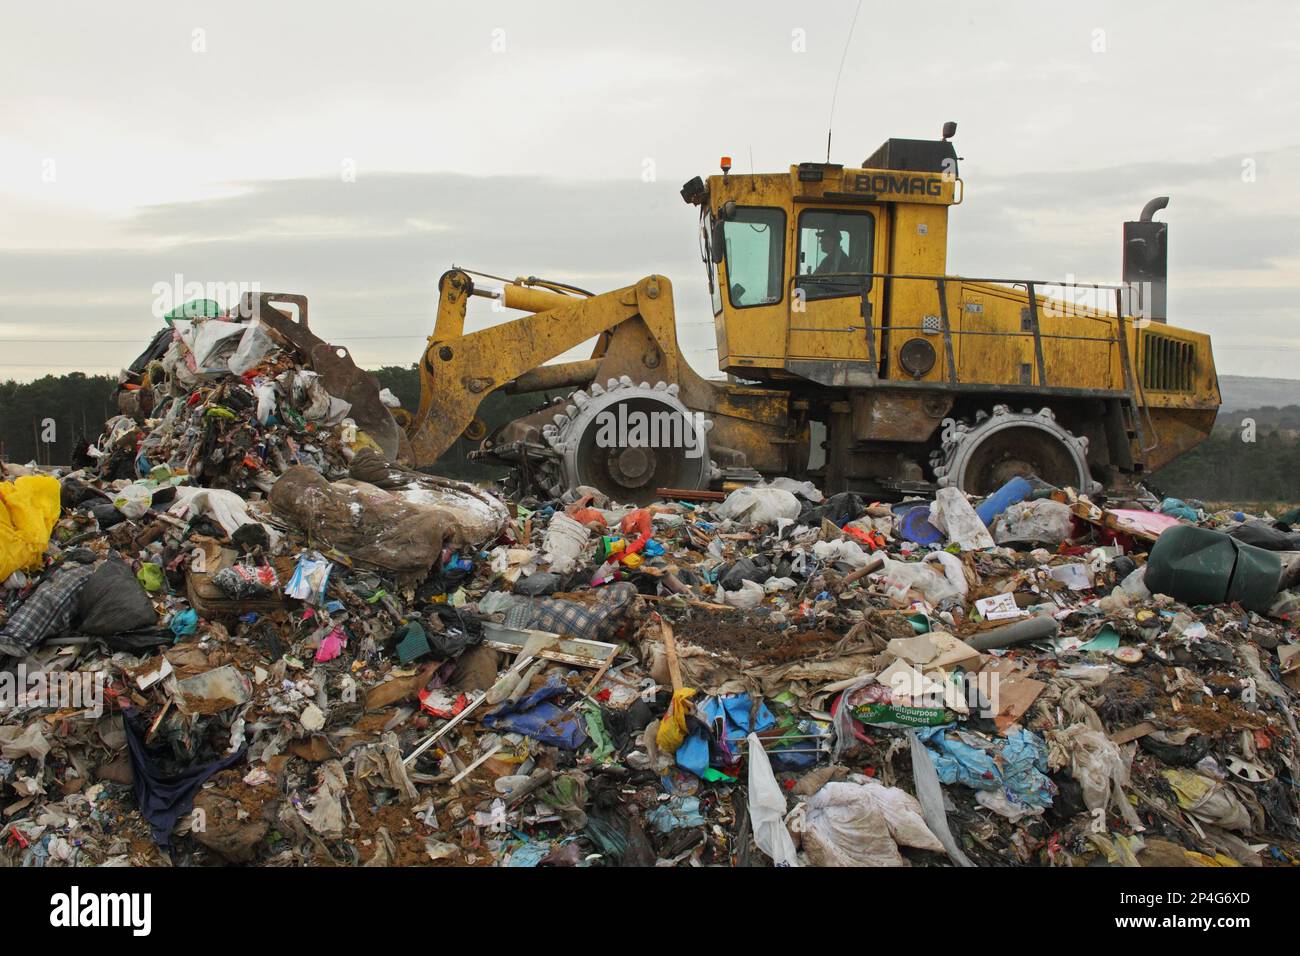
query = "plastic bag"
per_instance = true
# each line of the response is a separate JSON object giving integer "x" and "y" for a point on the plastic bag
{"x": 1208, "y": 800}
{"x": 266, "y": 399}
{"x": 757, "y": 569}
{"x": 209, "y": 340}
{"x": 759, "y": 505}
{"x": 930, "y": 796}
{"x": 840, "y": 551}
{"x": 852, "y": 824}
{"x": 749, "y": 596}
{"x": 1043, "y": 521}
{"x": 309, "y": 579}
{"x": 1135, "y": 585}
{"x": 254, "y": 345}
{"x": 151, "y": 576}
{"x": 672, "y": 729}
{"x": 246, "y": 582}
{"x": 112, "y": 601}
{"x": 1098, "y": 765}
{"x": 952, "y": 514}
{"x": 29, "y": 508}
{"x": 804, "y": 489}
{"x": 564, "y": 542}
{"x": 933, "y": 583}
{"x": 134, "y": 500}
{"x": 767, "y": 807}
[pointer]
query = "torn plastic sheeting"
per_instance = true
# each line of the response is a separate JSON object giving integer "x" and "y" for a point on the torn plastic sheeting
{"x": 366, "y": 523}
{"x": 678, "y": 812}
{"x": 224, "y": 507}
{"x": 767, "y": 807}
{"x": 534, "y": 716}
{"x": 1098, "y": 765}
{"x": 733, "y": 711}
{"x": 1016, "y": 765}
{"x": 929, "y": 794}
{"x": 952, "y": 514}
{"x": 208, "y": 342}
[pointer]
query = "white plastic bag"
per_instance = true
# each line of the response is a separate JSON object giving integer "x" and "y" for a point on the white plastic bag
{"x": 953, "y": 569}
{"x": 564, "y": 541}
{"x": 804, "y": 489}
{"x": 767, "y": 807}
{"x": 952, "y": 514}
{"x": 759, "y": 505}
{"x": 1044, "y": 521}
{"x": 900, "y": 577}
{"x": 1135, "y": 585}
{"x": 840, "y": 550}
{"x": 133, "y": 500}
{"x": 929, "y": 794}
{"x": 266, "y": 398}
{"x": 254, "y": 345}
{"x": 749, "y": 596}
{"x": 863, "y": 824}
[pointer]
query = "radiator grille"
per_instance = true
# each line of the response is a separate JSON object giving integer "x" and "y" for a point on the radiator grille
{"x": 1168, "y": 364}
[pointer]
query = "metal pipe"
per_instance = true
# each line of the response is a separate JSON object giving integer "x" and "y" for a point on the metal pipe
{"x": 1153, "y": 207}
{"x": 1037, "y": 628}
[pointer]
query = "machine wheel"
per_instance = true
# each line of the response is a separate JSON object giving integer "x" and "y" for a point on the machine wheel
{"x": 979, "y": 458}
{"x": 627, "y": 440}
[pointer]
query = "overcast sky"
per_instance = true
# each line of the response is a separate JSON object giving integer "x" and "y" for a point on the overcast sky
{"x": 353, "y": 152}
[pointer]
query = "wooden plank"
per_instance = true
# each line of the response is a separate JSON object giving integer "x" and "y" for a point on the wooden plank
{"x": 690, "y": 494}
{"x": 670, "y": 647}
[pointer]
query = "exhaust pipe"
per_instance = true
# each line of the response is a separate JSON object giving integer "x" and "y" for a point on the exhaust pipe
{"x": 1146, "y": 263}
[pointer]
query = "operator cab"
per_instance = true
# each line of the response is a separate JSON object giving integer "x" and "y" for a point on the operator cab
{"x": 793, "y": 258}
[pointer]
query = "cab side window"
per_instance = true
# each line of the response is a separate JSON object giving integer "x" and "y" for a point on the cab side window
{"x": 835, "y": 248}
{"x": 755, "y": 256}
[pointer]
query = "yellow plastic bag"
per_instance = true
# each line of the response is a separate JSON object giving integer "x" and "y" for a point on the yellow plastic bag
{"x": 672, "y": 729}
{"x": 29, "y": 507}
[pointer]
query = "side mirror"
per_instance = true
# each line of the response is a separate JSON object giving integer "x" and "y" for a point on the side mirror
{"x": 717, "y": 241}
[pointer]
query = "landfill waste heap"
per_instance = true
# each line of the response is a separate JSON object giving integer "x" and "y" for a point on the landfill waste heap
{"x": 239, "y": 635}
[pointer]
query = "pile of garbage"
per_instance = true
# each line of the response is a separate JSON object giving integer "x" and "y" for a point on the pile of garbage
{"x": 240, "y": 634}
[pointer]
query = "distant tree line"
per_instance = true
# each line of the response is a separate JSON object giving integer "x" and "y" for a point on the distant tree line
{"x": 43, "y": 420}
{"x": 1226, "y": 467}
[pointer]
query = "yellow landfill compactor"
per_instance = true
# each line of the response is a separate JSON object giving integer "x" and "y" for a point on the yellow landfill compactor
{"x": 853, "y": 356}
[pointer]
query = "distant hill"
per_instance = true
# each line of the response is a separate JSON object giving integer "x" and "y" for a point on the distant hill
{"x": 1241, "y": 392}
